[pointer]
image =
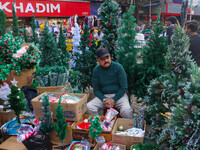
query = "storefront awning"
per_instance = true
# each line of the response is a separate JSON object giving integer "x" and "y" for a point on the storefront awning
{"x": 46, "y": 8}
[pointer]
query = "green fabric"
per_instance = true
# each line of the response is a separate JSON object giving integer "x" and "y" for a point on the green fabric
{"x": 111, "y": 80}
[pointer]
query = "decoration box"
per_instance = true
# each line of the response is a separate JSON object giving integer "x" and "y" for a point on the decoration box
{"x": 112, "y": 144}
{"x": 72, "y": 111}
{"x": 124, "y": 139}
{"x": 79, "y": 134}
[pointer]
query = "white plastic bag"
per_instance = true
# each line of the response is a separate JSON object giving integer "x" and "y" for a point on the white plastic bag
{"x": 4, "y": 91}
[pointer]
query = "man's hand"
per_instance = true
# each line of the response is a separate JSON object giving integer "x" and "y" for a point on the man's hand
{"x": 109, "y": 103}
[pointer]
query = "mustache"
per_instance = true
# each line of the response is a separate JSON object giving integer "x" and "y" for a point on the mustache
{"x": 106, "y": 63}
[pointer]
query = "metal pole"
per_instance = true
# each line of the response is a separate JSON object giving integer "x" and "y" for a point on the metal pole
{"x": 191, "y": 3}
{"x": 149, "y": 12}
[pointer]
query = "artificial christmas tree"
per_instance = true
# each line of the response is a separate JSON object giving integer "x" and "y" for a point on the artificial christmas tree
{"x": 25, "y": 35}
{"x": 46, "y": 125}
{"x": 53, "y": 65}
{"x": 85, "y": 60}
{"x": 182, "y": 131}
{"x": 62, "y": 44}
{"x": 30, "y": 59}
{"x": 16, "y": 100}
{"x": 15, "y": 27}
{"x": 48, "y": 48}
{"x": 164, "y": 91}
{"x": 76, "y": 37}
{"x": 34, "y": 37}
{"x": 61, "y": 125}
{"x": 153, "y": 59}
{"x": 127, "y": 53}
{"x": 108, "y": 13}
{"x": 2, "y": 22}
{"x": 95, "y": 128}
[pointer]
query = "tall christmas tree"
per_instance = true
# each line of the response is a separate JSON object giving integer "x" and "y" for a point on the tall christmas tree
{"x": 76, "y": 37}
{"x": 153, "y": 59}
{"x": 16, "y": 100}
{"x": 164, "y": 91}
{"x": 127, "y": 53}
{"x": 95, "y": 127}
{"x": 108, "y": 12}
{"x": 86, "y": 60}
{"x": 46, "y": 125}
{"x": 15, "y": 27}
{"x": 25, "y": 35}
{"x": 183, "y": 127}
{"x": 34, "y": 37}
{"x": 61, "y": 125}
{"x": 2, "y": 22}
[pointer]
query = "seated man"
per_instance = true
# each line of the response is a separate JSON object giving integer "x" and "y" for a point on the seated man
{"x": 109, "y": 82}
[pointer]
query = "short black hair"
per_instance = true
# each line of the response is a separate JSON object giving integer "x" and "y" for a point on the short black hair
{"x": 172, "y": 19}
{"x": 193, "y": 25}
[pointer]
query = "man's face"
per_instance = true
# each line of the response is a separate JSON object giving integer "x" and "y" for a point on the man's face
{"x": 105, "y": 62}
{"x": 169, "y": 23}
{"x": 188, "y": 30}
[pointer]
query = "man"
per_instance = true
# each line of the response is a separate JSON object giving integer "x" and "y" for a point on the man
{"x": 191, "y": 28}
{"x": 171, "y": 21}
{"x": 109, "y": 82}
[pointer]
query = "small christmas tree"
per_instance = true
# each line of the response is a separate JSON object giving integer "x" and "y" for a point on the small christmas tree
{"x": 86, "y": 60}
{"x": 61, "y": 124}
{"x": 16, "y": 100}
{"x": 15, "y": 27}
{"x": 108, "y": 12}
{"x": 2, "y": 22}
{"x": 153, "y": 59}
{"x": 34, "y": 37}
{"x": 95, "y": 127}
{"x": 46, "y": 125}
{"x": 127, "y": 53}
{"x": 62, "y": 44}
{"x": 164, "y": 91}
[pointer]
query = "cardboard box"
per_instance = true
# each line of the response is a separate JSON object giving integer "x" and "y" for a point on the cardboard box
{"x": 72, "y": 112}
{"x": 68, "y": 139}
{"x": 50, "y": 88}
{"x": 12, "y": 144}
{"x": 25, "y": 79}
{"x": 112, "y": 144}
{"x": 6, "y": 116}
{"x": 126, "y": 140}
{"x": 78, "y": 134}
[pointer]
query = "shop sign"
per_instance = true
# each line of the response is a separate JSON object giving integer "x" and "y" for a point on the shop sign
{"x": 46, "y": 8}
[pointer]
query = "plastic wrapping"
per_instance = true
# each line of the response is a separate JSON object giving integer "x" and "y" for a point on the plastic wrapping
{"x": 61, "y": 79}
{"x": 45, "y": 80}
{"x": 107, "y": 123}
{"x": 38, "y": 141}
{"x": 40, "y": 81}
{"x": 53, "y": 78}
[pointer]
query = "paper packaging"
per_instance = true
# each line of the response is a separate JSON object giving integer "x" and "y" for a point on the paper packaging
{"x": 112, "y": 144}
{"x": 126, "y": 140}
{"x": 72, "y": 112}
{"x": 25, "y": 79}
{"x": 12, "y": 144}
{"x": 78, "y": 134}
{"x": 6, "y": 116}
{"x": 55, "y": 138}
